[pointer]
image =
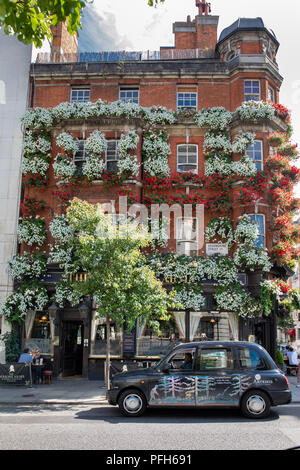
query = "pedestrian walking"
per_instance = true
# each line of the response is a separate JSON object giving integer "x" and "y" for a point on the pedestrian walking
{"x": 294, "y": 362}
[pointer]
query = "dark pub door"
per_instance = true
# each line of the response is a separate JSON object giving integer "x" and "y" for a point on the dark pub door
{"x": 72, "y": 348}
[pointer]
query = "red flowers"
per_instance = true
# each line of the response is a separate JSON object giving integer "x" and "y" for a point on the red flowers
{"x": 282, "y": 112}
{"x": 62, "y": 196}
{"x": 30, "y": 205}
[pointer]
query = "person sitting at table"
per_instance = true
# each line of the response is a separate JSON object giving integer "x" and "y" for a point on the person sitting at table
{"x": 37, "y": 365}
{"x": 25, "y": 356}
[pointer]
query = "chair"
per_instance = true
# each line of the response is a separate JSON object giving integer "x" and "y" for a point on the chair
{"x": 47, "y": 376}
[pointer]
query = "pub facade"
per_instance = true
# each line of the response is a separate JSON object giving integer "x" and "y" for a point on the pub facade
{"x": 146, "y": 115}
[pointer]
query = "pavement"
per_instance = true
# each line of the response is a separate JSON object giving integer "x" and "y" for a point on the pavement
{"x": 75, "y": 390}
{"x": 63, "y": 390}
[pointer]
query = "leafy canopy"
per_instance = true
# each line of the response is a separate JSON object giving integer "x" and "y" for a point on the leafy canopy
{"x": 31, "y": 20}
{"x": 122, "y": 285}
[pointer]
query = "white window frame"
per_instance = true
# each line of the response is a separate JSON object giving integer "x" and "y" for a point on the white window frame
{"x": 271, "y": 92}
{"x": 260, "y": 235}
{"x": 185, "y": 244}
{"x": 116, "y": 155}
{"x": 81, "y": 154}
{"x": 76, "y": 100}
{"x": 195, "y": 169}
{"x": 129, "y": 89}
{"x": 251, "y": 96}
{"x": 187, "y": 107}
{"x": 250, "y": 153}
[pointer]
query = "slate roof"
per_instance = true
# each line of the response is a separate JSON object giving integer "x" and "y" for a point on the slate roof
{"x": 246, "y": 24}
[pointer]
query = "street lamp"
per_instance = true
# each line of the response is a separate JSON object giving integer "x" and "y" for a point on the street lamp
{"x": 52, "y": 309}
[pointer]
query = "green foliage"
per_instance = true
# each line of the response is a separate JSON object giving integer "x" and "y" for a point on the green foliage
{"x": 122, "y": 285}
{"x": 12, "y": 350}
{"x": 31, "y": 20}
{"x": 279, "y": 357}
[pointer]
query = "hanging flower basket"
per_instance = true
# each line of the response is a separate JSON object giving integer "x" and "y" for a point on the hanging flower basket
{"x": 288, "y": 150}
{"x": 275, "y": 139}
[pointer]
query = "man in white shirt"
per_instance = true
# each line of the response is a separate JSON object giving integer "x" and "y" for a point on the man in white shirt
{"x": 293, "y": 361}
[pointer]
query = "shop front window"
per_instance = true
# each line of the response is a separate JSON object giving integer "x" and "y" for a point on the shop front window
{"x": 37, "y": 332}
{"x": 150, "y": 343}
{"x": 99, "y": 344}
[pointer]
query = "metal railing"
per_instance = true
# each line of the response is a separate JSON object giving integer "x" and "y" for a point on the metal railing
{"x": 123, "y": 56}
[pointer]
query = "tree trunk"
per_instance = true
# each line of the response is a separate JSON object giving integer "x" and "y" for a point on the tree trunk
{"x": 107, "y": 363}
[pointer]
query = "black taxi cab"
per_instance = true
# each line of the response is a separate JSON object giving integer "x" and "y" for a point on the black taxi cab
{"x": 205, "y": 374}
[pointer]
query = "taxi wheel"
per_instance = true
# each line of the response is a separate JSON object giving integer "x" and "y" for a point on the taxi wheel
{"x": 255, "y": 404}
{"x": 132, "y": 403}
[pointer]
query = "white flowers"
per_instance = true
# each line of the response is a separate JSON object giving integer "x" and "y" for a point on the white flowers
{"x": 64, "y": 166}
{"x": 185, "y": 298}
{"x": 34, "y": 165}
{"x": 156, "y": 151}
{"x": 36, "y": 143}
{"x": 218, "y": 142}
{"x": 67, "y": 142}
{"x": 255, "y": 110}
{"x": 128, "y": 164}
{"x": 215, "y": 118}
{"x": 252, "y": 258}
{"x": 246, "y": 230}
{"x": 95, "y": 143}
{"x": 32, "y": 231}
{"x": 31, "y": 296}
{"x": 93, "y": 167}
{"x": 60, "y": 228}
{"x": 29, "y": 265}
{"x": 242, "y": 141}
{"x": 36, "y": 156}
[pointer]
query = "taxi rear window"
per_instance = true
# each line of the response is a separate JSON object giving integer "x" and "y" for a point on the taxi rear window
{"x": 248, "y": 358}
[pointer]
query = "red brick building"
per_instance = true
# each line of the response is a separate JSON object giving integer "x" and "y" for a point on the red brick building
{"x": 200, "y": 72}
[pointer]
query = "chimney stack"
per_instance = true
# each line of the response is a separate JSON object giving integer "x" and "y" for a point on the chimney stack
{"x": 63, "y": 43}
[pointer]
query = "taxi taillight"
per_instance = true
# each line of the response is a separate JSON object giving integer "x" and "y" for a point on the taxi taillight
{"x": 287, "y": 382}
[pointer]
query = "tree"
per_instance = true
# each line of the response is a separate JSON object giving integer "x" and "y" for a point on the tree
{"x": 31, "y": 20}
{"x": 120, "y": 283}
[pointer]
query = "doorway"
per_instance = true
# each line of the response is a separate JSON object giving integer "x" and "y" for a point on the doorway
{"x": 72, "y": 348}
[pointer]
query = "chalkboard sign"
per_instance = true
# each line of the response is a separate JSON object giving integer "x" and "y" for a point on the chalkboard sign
{"x": 15, "y": 374}
{"x": 129, "y": 342}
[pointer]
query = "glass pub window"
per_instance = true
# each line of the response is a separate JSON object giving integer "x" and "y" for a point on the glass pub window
{"x": 129, "y": 95}
{"x": 80, "y": 155}
{"x": 187, "y": 98}
{"x": 251, "y": 90}
{"x": 255, "y": 152}
{"x": 186, "y": 236}
{"x": 260, "y": 220}
{"x": 112, "y": 155}
{"x": 187, "y": 158}
{"x": 80, "y": 95}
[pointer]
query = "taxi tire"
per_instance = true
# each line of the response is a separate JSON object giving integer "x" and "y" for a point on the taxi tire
{"x": 258, "y": 399}
{"x": 137, "y": 399}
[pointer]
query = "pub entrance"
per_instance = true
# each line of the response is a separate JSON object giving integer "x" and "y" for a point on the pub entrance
{"x": 72, "y": 348}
